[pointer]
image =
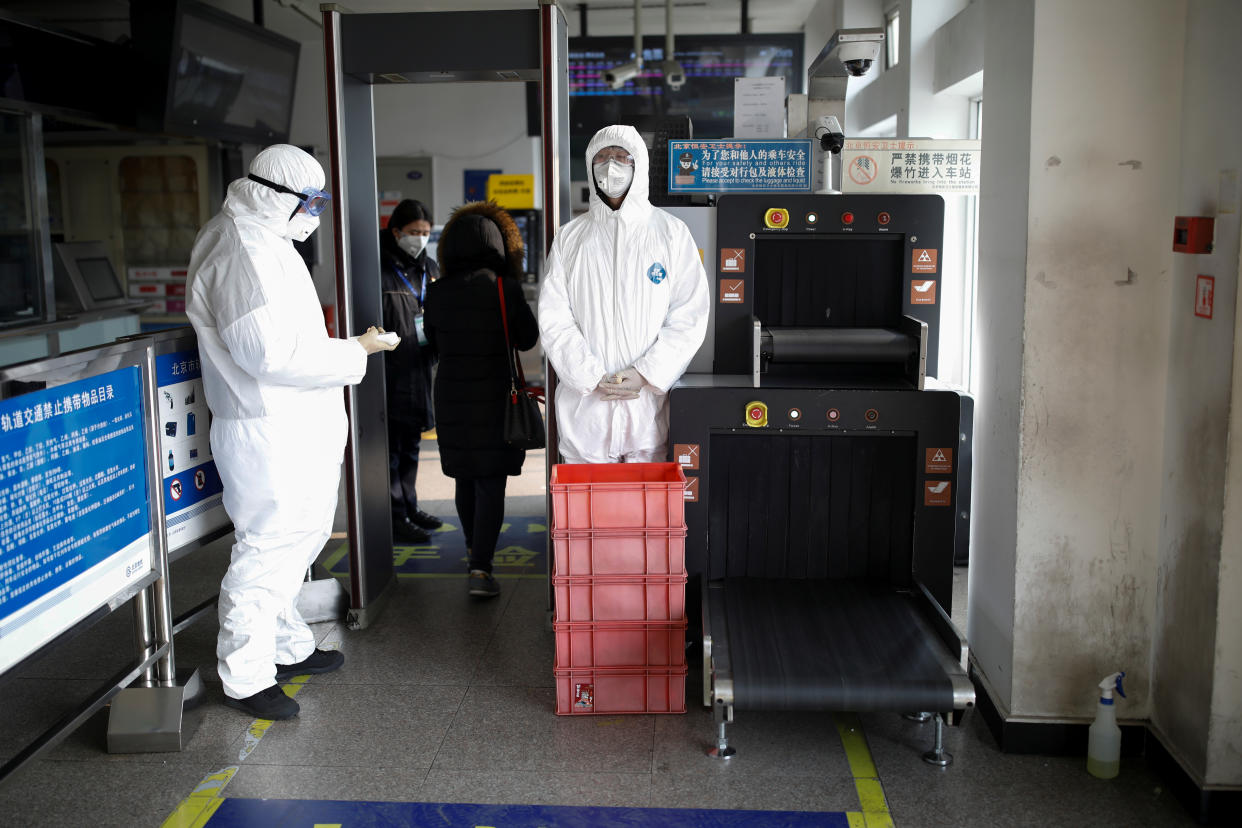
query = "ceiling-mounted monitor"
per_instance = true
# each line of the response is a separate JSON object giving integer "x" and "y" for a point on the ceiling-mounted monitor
{"x": 219, "y": 76}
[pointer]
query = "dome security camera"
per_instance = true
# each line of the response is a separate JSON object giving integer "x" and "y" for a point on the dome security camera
{"x": 858, "y": 55}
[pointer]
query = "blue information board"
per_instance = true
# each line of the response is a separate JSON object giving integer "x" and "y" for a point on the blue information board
{"x": 739, "y": 166}
{"x": 193, "y": 501}
{"x": 74, "y": 508}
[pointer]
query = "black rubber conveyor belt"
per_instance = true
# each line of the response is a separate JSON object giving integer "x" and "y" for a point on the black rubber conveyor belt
{"x": 838, "y": 345}
{"x": 830, "y": 645}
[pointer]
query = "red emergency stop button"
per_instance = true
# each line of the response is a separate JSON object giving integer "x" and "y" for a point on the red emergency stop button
{"x": 847, "y": 217}
{"x": 776, "y": 218}
{"x": 756, "y": 414}
{"x": 883, "y": 218}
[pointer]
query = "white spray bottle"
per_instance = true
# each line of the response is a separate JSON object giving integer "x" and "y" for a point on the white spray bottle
{"x": 1104, "y": 742}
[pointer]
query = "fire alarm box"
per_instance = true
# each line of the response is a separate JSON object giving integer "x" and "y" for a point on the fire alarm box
{"x": 1193, "y": 234}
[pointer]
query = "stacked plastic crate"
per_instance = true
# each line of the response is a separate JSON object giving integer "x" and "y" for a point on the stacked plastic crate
{"x": 619, "y": 580}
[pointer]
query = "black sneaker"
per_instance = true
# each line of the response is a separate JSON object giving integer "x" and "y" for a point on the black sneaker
{"x": 425, "y": 520}
{"x": 482, "y": 585}
{"x": 270, "y": 703}
{"x": 320, "y": 661}
{"x": 406, "y": 531}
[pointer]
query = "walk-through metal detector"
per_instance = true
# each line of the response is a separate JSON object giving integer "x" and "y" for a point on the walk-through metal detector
{"x": 362, "y": 50}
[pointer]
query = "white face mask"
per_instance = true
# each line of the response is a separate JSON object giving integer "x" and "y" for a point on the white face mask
{"x": 613, "y": 178}
{"x": 301, "y": 226}
{"x": 412, "y": 245}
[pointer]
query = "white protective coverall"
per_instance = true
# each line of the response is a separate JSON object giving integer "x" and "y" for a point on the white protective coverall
{"x": 273, "y": 380}
{"x": 623, "y": 288}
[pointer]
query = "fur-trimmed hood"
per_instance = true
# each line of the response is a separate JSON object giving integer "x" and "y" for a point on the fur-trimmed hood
{"x": 480, "y": 235}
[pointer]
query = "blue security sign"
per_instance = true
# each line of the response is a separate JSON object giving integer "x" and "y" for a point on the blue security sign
{"x": 73, "y": 492}
{"x": 737, "y": 166}
{"x": 193, "y": 499}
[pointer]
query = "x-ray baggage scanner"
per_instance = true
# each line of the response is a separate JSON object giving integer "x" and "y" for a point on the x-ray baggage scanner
{"x": 823, "y": 463}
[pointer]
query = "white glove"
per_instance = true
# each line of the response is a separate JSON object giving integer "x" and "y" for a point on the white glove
{"x": 628, "y": 381}
{"x": 374, "y": 340}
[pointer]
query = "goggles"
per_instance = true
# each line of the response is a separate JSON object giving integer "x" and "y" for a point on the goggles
{"x": 619, "y": 154}
{"x": 313, "y": 201}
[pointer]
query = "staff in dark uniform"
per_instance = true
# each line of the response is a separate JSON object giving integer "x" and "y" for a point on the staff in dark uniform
{"x": 405, "y": 272}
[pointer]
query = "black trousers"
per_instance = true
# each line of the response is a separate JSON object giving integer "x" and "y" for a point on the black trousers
{"x": 481, "y": 508}
{"x": 403, "y": 446}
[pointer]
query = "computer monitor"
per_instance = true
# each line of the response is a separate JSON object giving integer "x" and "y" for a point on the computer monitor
{"x": 85, "y": 278}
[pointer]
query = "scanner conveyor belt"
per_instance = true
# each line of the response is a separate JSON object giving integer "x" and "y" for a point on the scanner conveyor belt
{"x": 831, "y": 645}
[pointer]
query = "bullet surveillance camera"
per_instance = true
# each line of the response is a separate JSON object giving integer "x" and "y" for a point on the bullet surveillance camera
{"x": 858, "y": 55}
{"x": 617, "y": 76}
{"x": 674, "y": 74}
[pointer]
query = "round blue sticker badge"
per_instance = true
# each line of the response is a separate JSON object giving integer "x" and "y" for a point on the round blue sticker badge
{"x": 656, "y": 273}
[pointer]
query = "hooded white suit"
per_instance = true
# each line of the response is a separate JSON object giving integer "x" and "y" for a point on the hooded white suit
{"x": 273, "y": 379}
{"x": 623, "y": 288}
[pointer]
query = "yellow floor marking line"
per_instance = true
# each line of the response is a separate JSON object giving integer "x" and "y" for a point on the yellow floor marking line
{"x": 197, "y": 808}
{"x": 875, "y": 812}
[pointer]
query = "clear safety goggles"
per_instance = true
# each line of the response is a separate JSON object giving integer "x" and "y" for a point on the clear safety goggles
{"x": 619, "y": 154}
{"x": 313, "y": 201}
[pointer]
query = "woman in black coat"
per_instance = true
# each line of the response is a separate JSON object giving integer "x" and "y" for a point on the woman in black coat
{"x": 479, "y": 246}
{"x": 406, "y": 271}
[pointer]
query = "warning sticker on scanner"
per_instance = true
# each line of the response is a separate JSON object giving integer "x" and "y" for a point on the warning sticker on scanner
{"x": 732, "y": 291}
{"x": 937, "y": 493}
{"x": 692, "y": 489}
{"x": 939, "y": 461}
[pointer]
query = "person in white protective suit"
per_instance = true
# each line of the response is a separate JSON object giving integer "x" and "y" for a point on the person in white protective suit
{"x": 273, "y": 380}
{"x": 622, "y": 310}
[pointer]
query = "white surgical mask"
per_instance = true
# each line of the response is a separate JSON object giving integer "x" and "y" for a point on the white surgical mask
{"x": 613, "y": 178}
{"x": 412, "y": 245}
{"x": 301, "y": 226}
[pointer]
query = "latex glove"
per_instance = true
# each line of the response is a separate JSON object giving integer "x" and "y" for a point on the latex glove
{"x": 371, "y": 342}
{"x": 627, "y": 380}
{"x": 621, "y": 395}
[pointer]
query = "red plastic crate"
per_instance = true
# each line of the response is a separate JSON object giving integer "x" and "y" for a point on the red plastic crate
{"x": 618, "y": 496}
{"x": 620, "y": 598}
{"x": 639, "y": 645}
{"x": 604, "y": 691}
{"x": 604, "y": 552}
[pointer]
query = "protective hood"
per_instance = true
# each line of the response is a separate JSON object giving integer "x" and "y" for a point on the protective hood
{"x": 281, "y": 164}
{"x": 480, "y": 235}
{"x": 636, "y": 205}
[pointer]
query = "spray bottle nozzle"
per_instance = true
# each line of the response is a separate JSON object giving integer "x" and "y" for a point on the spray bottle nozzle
{"x": 1111, "y": 683}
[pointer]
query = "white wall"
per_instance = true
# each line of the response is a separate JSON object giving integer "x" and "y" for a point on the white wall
{"x": 461, "y": 126}
{"x": 1196, "y": 654}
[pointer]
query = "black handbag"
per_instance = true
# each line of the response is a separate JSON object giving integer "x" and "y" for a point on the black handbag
{"x": 523, "y": 424}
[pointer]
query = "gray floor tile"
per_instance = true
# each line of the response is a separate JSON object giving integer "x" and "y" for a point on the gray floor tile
{"x": 388, "y": 726}
{"x": 432, "y": 633}
{"x": 360, "y": 784}
{"x": 734, "y": 788}
{"x": 514, "y": 728}
{"x": 985, "y": 787}
{"x": 768, "y": 744}
{"x": 97, "y": 794}
{"x": 616, "y": 790}
{"x": 521, "y": 650}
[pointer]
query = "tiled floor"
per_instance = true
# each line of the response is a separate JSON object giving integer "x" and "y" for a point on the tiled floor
{"x": 445, "y": 699}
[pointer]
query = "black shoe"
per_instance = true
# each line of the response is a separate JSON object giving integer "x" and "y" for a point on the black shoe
{"x": 481, "y": 584}
{"x": 425, "y": 520}
{"x": 270, "y": 703}
{"x": 406, "y": 531}
{"x": 320, "y": 661}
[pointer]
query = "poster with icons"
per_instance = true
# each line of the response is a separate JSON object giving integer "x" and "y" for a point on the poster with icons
{"x": 736, "y": 166}
{"x": 193, "y": 499}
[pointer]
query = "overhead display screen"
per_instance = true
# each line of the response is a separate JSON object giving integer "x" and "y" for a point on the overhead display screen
{"x": 75, "y": 524}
